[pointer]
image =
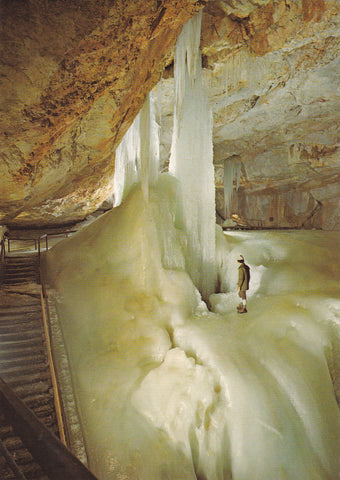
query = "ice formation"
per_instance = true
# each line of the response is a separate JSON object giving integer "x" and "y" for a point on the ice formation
{"x": 232, "y": 171}
{"x": 166, "y": 389}
{"x": 137, "y": 156}
{"x": 191, "y": 159}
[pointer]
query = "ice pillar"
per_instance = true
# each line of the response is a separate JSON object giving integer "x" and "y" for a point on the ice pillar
{"x": 232, "y": 170}
{"x": 149, "y": 145}
{"x": 127, "y": 163}
{"x": 191, "y": 159}
{"x": 137, "y": 156}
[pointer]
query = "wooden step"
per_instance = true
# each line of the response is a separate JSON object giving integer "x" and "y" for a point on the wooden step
{"x": 32, "y": 333}
{"x": 23, "y": 361}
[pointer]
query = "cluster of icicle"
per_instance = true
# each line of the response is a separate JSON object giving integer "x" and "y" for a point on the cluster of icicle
{"x": 191, "y": 160}
{"x": 137, "y": 156}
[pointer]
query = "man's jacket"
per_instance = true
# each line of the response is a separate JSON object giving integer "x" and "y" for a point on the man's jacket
{"x": 243, "y": 277}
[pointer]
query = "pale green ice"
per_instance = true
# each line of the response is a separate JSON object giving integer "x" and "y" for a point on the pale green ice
{"x": 169, "y": 390}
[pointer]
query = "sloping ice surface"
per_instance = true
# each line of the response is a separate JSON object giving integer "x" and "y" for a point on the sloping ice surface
{"x": 167, "y": 389}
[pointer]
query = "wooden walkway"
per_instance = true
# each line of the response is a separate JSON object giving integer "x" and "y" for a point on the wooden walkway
{"x": 23, "y": 359}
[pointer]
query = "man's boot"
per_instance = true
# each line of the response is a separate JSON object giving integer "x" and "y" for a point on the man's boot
{"x": 240, "y": 306}
{"x": 243, "y": 309}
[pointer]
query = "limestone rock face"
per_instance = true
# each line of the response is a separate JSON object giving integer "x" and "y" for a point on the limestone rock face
{"x": 75, "y": 74}
{"x": 281, "y": 118}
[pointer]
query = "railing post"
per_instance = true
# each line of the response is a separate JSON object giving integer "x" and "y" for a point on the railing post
{"x": 47, "y": 450}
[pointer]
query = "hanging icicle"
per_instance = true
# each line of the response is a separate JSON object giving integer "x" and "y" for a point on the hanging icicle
{"x": 191, "y": 159}
{"x": 149, "y": 145}
{"x": 137, "y": 156}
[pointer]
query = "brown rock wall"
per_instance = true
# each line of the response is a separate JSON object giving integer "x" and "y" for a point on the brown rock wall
{"x": 61, "y": 58}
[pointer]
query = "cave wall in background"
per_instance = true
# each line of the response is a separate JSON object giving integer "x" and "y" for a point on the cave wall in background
{"x": 287, "y": 187}
{"x": 273, "y": 81}
{"x": 281, "y": 120}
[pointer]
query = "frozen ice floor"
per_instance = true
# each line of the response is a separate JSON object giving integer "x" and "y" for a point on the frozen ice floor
{"x": 167, "y": 389}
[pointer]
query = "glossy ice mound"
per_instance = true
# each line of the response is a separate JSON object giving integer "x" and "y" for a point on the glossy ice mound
{"x": 169, "y": 390}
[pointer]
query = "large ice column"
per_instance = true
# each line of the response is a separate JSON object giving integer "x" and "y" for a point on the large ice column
{"x": 191, "y": 159}
{"x": 137, "y": 156}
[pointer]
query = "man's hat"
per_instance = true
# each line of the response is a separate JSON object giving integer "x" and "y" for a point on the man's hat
{"x": 241, "y": 259}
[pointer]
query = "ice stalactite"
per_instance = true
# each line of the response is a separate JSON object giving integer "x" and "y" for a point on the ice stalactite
{"x": 137, "y": 161}
{"x": 191, "y": 159}
{"x": 149, "y": 145}
{"x": 232, "y": 171}
{"x": 137, "y": 156}
{"x": 127, "y": 163}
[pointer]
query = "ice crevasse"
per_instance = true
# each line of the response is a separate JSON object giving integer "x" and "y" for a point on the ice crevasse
{"x": 167, "y": 389}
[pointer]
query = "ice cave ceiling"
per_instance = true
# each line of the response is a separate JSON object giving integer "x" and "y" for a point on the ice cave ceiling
{"x": 74, "y": 75}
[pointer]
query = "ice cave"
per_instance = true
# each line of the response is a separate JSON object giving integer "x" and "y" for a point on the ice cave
{"x": 158, "y": 142}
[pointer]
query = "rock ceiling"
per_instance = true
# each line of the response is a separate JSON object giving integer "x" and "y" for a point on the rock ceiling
{"x": 75, "y": 74}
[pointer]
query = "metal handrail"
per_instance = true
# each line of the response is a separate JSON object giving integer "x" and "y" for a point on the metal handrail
{"x": 51, "y": 363}
{"x": 46, "y": 449}
{"x": 66, "y": 411}
{"x": 46, "y": 240}
{"x": 50, "y": 452}
{"x": 37, "y": 238}
{"x": 45, "y": 236}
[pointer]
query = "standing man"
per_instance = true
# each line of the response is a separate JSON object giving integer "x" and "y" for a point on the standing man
{"x": 243, "y": 284}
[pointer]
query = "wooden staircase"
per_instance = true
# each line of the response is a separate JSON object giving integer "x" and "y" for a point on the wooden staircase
{"x": 23, "y": 359}
{"x": 20, "y": 269}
